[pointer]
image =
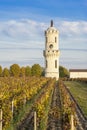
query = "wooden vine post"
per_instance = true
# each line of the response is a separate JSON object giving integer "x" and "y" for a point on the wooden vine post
{"x": 24, "y": 100}
{"x": 72, "y": 122}
{"x": 35, "y": 121}
{"x": 1, "y": 119}
{"x": 12, "y": 108}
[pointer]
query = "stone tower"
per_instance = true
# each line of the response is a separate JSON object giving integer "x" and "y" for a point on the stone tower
{"x": 51, "y": 52}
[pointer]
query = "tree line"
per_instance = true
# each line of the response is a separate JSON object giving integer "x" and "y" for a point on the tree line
{"x": 35, "y": 70}
{"x": 16, "y": 70}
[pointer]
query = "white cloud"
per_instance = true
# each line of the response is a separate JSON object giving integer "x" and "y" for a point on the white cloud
{"x": 30, "y": 31}
{"x": 73, "y": 28}
{"x": 21, "y": 39}
{"x": 22, "y": 29}
{"x": 73, "y": 34}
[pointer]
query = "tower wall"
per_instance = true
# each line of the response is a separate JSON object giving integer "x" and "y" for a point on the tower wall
{"x": 51, "y": 52}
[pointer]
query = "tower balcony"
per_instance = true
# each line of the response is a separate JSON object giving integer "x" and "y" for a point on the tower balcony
{"x": 51, "y": 53}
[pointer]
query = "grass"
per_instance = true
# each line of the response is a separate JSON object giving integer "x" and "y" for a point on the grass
{"x": 79, "y": 91}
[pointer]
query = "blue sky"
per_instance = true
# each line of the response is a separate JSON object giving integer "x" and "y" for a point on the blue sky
{"x": 22, "y": 26}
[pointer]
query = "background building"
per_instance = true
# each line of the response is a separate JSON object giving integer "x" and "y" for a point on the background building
{"x": 78, "y": 73}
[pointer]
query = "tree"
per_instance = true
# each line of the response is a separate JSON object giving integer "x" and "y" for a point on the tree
{"x": 15, "y": 70}
{"x": 0, "y": 70}
{"x": 22, "y": 71}
{"x": 43, "y": 72}
{"x": 63, "y": 72}
{"x": 36, "y": 70}
{"x": 6, "y": 72}
{"x": 27, "y": 71}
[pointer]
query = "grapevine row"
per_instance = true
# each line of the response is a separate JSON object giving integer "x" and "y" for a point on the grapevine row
{"x": 19, "y": 92}
{"x": 71, "y": 108}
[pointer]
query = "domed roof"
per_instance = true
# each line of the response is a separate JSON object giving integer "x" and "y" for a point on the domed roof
{"x": 51, "y": 28}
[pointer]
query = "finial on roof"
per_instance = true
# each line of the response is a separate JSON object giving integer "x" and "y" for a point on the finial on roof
{"x": 51, "y": 23}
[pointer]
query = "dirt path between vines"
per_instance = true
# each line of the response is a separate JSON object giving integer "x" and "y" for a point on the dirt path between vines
{"x": 55, "y": 116}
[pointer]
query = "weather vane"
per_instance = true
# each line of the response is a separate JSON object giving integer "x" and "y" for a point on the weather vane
{"x": 51, "y": 23}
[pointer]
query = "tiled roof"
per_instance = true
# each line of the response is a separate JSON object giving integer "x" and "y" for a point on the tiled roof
{"x": 78, "y": 70}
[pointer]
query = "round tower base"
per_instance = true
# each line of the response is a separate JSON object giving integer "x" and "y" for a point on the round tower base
{"x": 52, "y": 75}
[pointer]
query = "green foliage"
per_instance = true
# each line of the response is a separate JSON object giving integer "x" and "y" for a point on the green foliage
{"x": 43, "y": 72}
{"x": 36, "y": 70}
{"x": 22, "y": 71}
{"x": 63, "y": 72}
{"x": 15, "y": 70}
{"x": 68, "y": 107}
{"x": 6, "y": 72}
{"x": 41, "y": 105}
{"x": 20, "y": 90}
{"x": 0, "y": 70}
{"x": 79, "y": 91}
{"x": 27, "y": 71}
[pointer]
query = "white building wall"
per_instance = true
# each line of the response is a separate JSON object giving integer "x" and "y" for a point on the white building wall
{"x": 50, "y": 38}
{"x": 78, "y": 74}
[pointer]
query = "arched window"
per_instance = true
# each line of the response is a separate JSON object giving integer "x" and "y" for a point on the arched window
{"x": 46, "y": 39}
{"x": 46, "y": 64}
{"x": 55, "y": 63}
{"x": 55, "y": 39}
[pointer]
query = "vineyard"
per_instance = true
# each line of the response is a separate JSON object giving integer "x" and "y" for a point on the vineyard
{"x": 38, "y": 103}
{"x": 79, "y": 91}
